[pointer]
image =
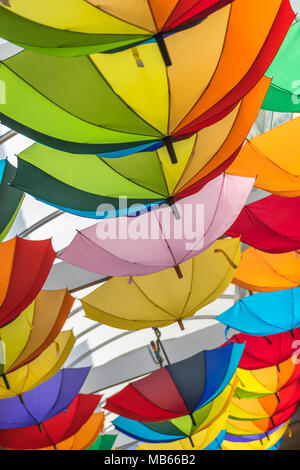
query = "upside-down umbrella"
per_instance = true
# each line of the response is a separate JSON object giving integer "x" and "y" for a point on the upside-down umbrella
{"x": 265, "y": 313}
{"x": 34, "y": 329}
{"x": 284, "y": 92}
{"x": 263, "y": 442}
{"x": 270, "y": 224}
{"x": 64, "y": 27}
{"x": 157, "y": 240}
{"x": 273, "y": 158}
{"x": 56, "y": 429}
{"x": 40, "y": 369}
{"x": 104, "y": 442}
{"x": 178, "y": 389}
{"x": 265, "y": 272}
{"x": 143, "y": 178}
{"x": 85, "y": 105}
{"x": 10, "y": 198}
{"x": 25, "y": 265}
{"x": 166, "y": 297}
{"x": 44, "y": 401}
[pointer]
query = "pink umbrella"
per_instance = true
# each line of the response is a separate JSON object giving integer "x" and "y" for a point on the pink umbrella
{"x": 157, "y": 240}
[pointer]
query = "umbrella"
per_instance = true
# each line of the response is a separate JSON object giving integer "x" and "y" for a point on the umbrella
{"x": 178, "y": 389}
{"x": 25, "y": 265}
{"x": 284, "y": 93}
{"x": 44, "y": 401}
{"x": 255, "y": 437}
{"x": 40, "y": 369}
{"x": 270, "y": 224}
{"x": 269, "y": 442}
{"x": 265, "y": 157}
{"x": 85, "y": 105}
{"x": 104, "y": 442}
{"x": 10, "y": 198}
{"x": 163, "y": 298}
{"x": 34, "y": 329}
{"x": 143, "y": 178}
{"x": 55, "y": 430}
{"x": 157, "y": 240}
{"x": 264, "y": 272}
{"x": 266, "y": 313}
{"x": 77, "y": 27}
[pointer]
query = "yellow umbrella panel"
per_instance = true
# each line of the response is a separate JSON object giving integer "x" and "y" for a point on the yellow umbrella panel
{"x": 262, "y": 444}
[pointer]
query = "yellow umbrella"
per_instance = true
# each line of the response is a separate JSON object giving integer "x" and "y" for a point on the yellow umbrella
{"x": 262, "y": 444}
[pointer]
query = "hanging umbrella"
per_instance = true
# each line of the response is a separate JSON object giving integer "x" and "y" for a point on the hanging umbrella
{"x": 265, "y": 157}
{"x": 85, "y": 105}
{"x": 168, "y": 296}
{"x": 255, "y": 437}
{"x": 178, "y": 389}
{"x": 284, "y": 93}
{"x": 266, "y": 313}
{"x": 78, "y": 27}
{"x": 269, "y": 442}
{"x": 44, "y": 401}
{"x": 143, "y": 178}
{"x": 157, "y": 240}
{"x": 40, "y": 369}
{"x": 104, "y": 442}
{"x": 55, "y": 430}
{"x": 10, "y": 198}
{"x": 264, "y": 272}
{"x": 25, "y": 265}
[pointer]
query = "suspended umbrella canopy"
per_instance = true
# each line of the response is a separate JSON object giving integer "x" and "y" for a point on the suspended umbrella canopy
{"x": 56, "y": 429}
{"x": 284, "y": 93}
{"x": 178, "y": 389}
{"x": 104, "y": 442}
{"x": 266, "y": 313}
{"x": 143, "y": 178}
{"x": 270, "y": 224}
{"x": 269, "y": 442}
{"x": 43, "y": 402}
{"x": 168, "y": 296}
{"x": 10, "y": 198}
{"x": 265, "y": 272}
{"x": 84, "y": 105}
{"x": 273, "y": 158}
{"x": 74, "y": 27}
{"x": 40, "y": 369}
{"x": 25, "y": 265}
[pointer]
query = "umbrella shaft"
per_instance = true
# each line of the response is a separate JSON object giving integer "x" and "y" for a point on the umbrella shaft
{"x": 163, "y": 49}
{"x": 5, "y": 381}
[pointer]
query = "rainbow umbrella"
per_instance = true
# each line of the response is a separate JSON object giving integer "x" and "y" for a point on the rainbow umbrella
{"x": 10, "y": 198}
{"x": 168, "y": 296}
{"x": 271, "y": 441}
{"x": 25, "y": 265}
{"x": 85, "y": 105}
{"x": 104, "y": 442}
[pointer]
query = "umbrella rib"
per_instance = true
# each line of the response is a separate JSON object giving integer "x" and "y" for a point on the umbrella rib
{"x": 152, "y": 302}
{"x": 259, "y": 256}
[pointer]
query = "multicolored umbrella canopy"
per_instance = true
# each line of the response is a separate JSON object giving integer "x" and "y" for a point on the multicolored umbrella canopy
{"x": 273, "y": 439}
{"x": 273, "y": 158}
{"x": 104, "y": 442}
{"x": 56, "y": 429}
{"x": 164, "y": 298}
{"x": 265, "y": 272}
{"x": 43, "y": 402}
{"x": 25, "y": 265}
{"x": 266, "y": 313}
{"x": 178, "y": 389}
{"x": 78, "y": 27}
{"x": 156, "y": 240}
{"x": 145, "y": 177}
{"x": 10, "y": 198}
{"x": 40, "y": 369}
{"x": 284, "y": 93}
{"x": 84, "y": 105}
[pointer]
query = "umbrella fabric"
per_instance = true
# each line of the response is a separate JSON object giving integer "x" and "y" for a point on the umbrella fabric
{"x": 265, "y": 443}
{"x": 178, "y": 389}
{"x": 270, "y": 224}
{"x": 273, "y": 158}
{"x": 10, "y": 198}
{"x": 40, "y": 369}
{"x": 84, "y": 105}
{"x": 77, "y": 26}
{"x": 145, "y": 177}
{"x": 104, "y": 442}
{"x": 284, "y": 93}
{"x": 25, "y": 265}
{"x": 43, "y": 402}
{"x": 163, "y": 298}
{"x": 265, "y": 272}
{"x": 55, "y": 430}
{"x": 156, "y": 240}
{"x": 254, "y": 437}
{"x": 266, "y": 313}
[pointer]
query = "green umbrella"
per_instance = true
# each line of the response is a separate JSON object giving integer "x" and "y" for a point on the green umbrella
{"x": 10, "y": 198}
{"x": 104, "y": 442}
